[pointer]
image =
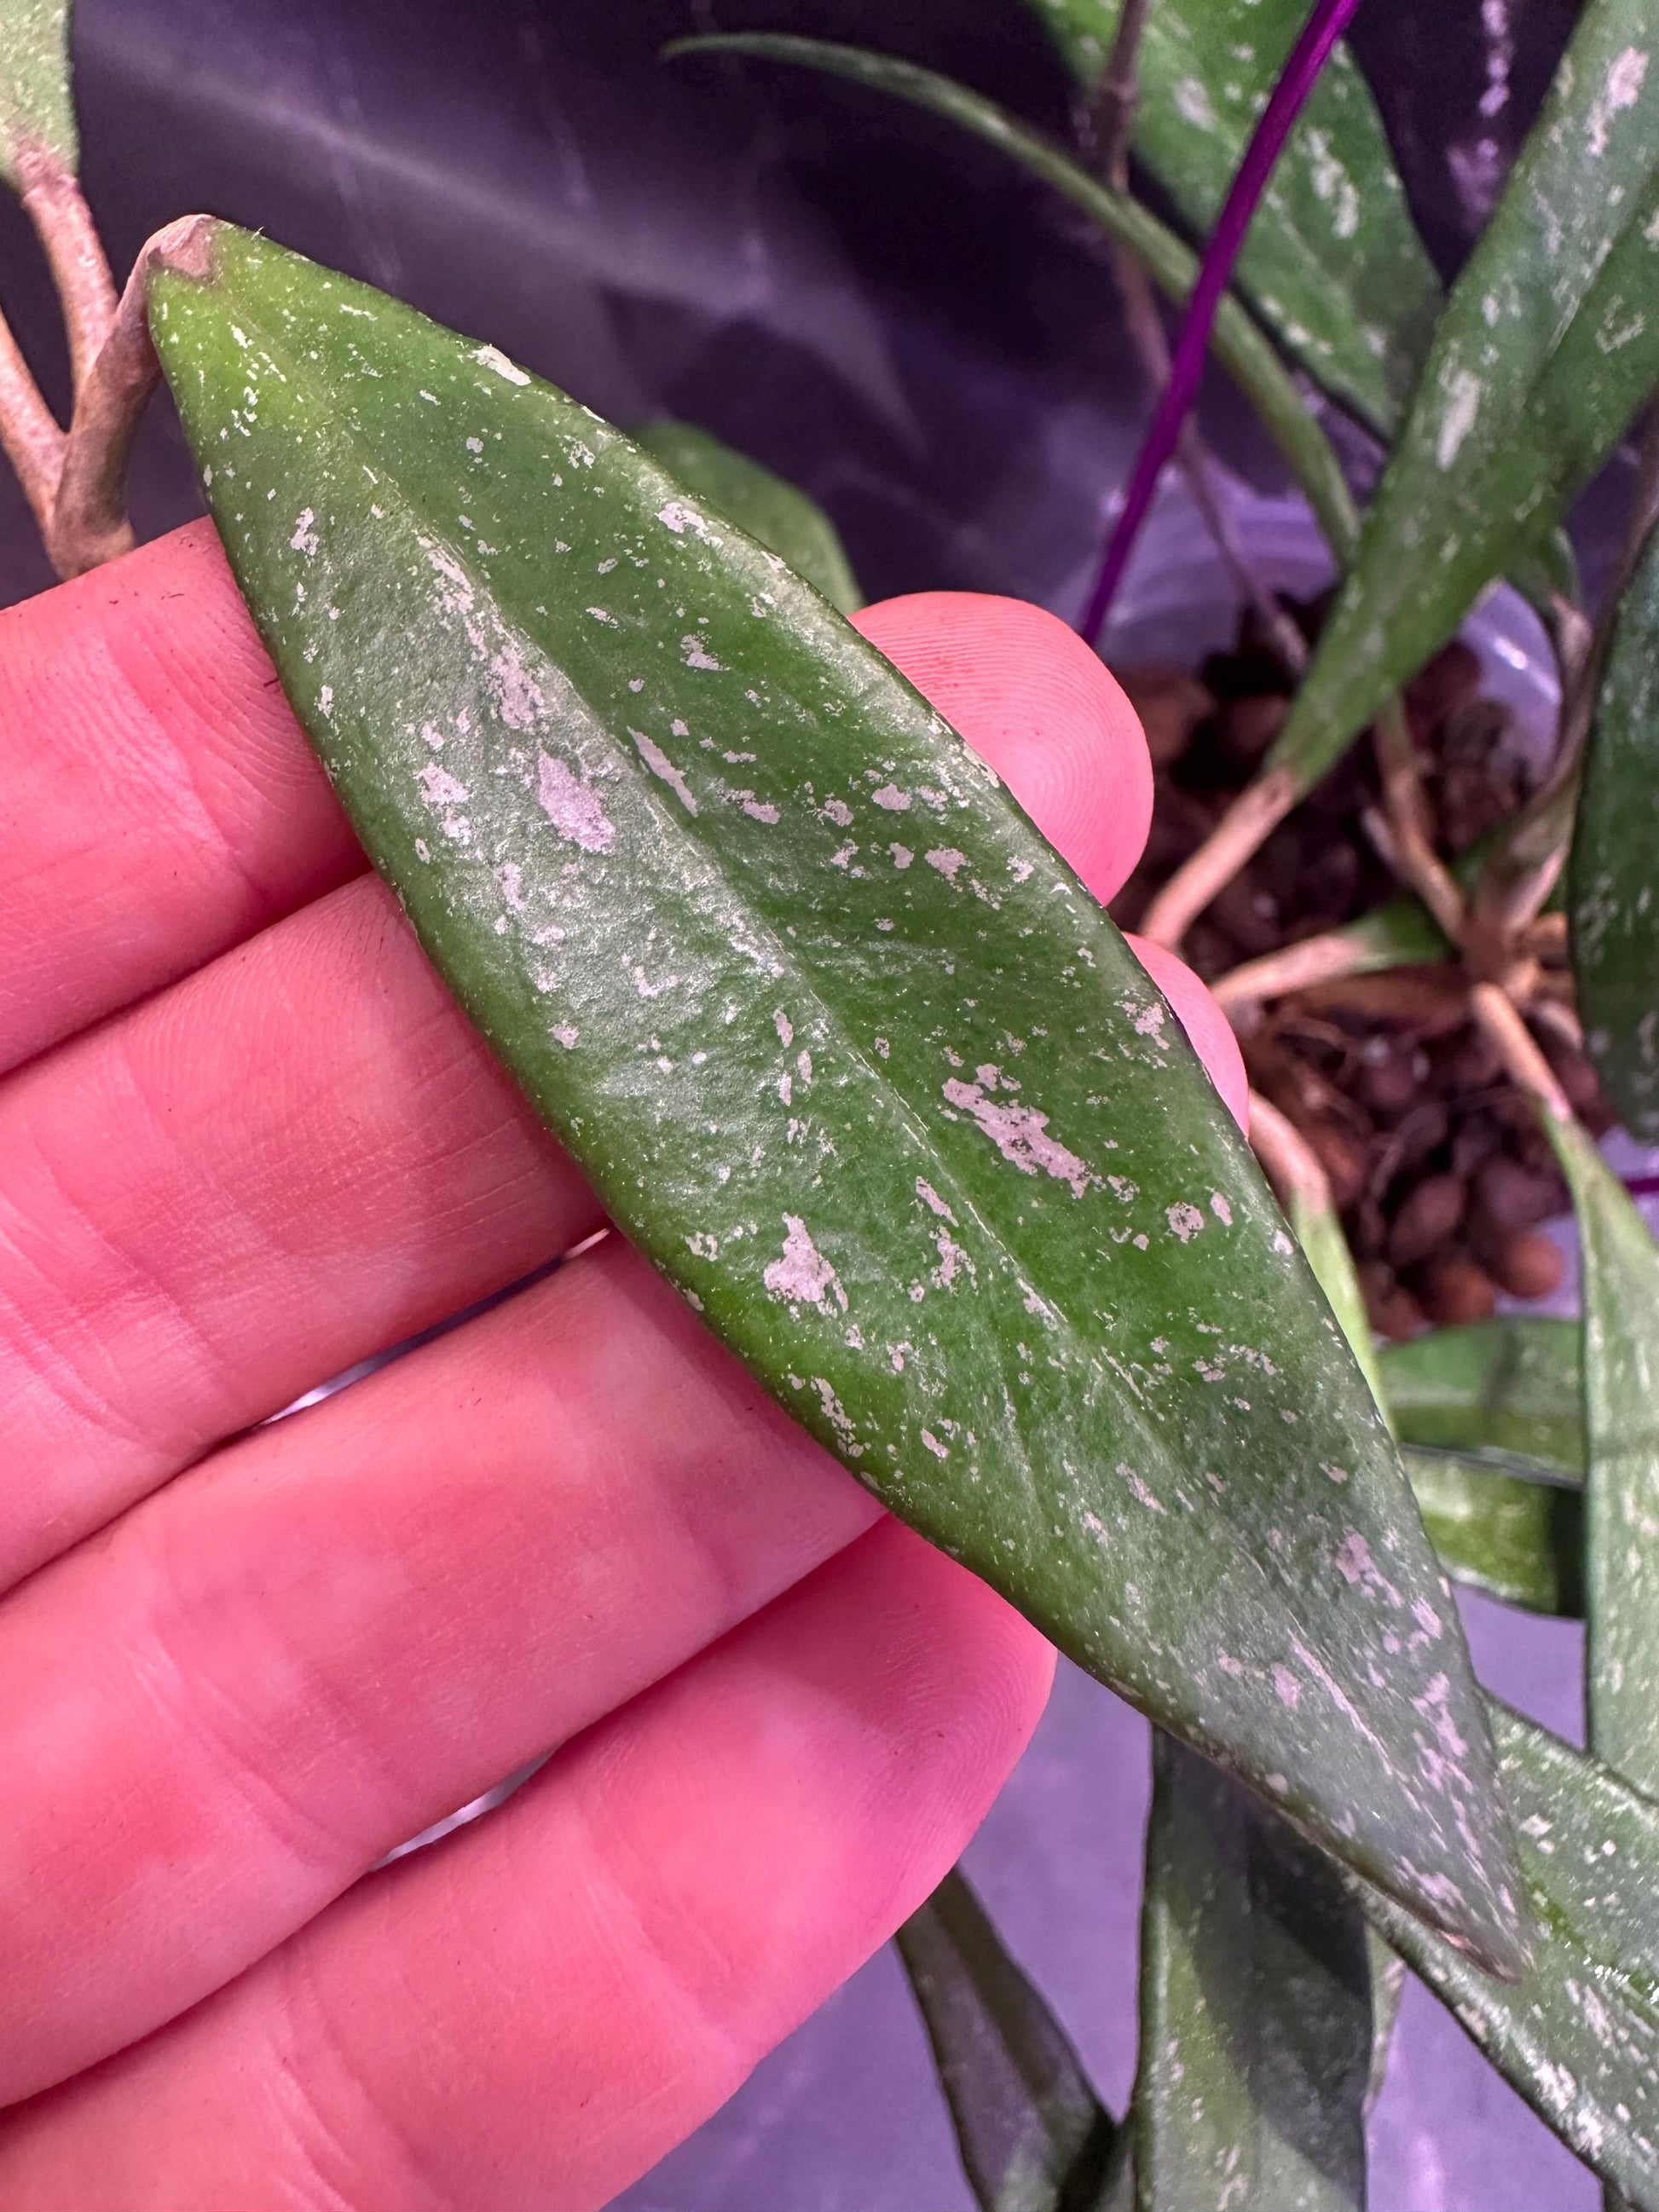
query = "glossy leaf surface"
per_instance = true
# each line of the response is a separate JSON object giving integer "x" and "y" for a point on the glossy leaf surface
{"x": 1578, "y": 2035}
{"x": 1548, "y": 346}
{"x": 843, "y": 1044}
{"x": 1620, "y": 1273}
{"x": 1504, "y": 1391}
{"x": 764, "y": 504}
{"x": 1518, "y": 1536}
{"x": 36, "y": 103}
{"x": 1333, "y": 262}
{"x": 1256, "y": 2010}
{"x": 1612, "y": 899}
{"x": 1033, "y": 2135}
{"x": 1236, "y": 340}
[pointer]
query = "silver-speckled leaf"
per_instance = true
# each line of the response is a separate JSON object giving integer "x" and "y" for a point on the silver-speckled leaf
{"x": 1548, "y": 346}
{"x": 1332, "y": 262}
{"x": 1613, "y": 897}
{"x": 36, "y": 104}
{"x": 1255, "y": 2008}
{"x": 843, "y": 1046}
{"x": 1578, "y": 2035}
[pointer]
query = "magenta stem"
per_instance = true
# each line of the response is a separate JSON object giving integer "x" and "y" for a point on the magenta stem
{"x": 1301, "y": 73}
{"x": 1645, "y": 1186}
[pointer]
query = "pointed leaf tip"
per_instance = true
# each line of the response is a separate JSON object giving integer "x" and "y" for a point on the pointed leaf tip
{"x": 845, "y": 1050}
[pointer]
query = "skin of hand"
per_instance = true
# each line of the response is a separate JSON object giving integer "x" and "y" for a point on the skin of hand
{"x": 246, "y": 1141}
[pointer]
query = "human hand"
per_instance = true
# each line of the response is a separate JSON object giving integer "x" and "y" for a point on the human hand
{"x": 246, "y": 1141}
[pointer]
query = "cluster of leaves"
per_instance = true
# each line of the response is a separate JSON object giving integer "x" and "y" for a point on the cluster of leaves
{"x": 847, "y": 1049}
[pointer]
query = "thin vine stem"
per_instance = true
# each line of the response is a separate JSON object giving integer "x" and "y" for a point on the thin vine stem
{"x": 1301, "y": 73}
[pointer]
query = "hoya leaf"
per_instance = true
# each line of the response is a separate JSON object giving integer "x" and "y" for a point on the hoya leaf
{"x": 1033, "y": 2135}
{"x": 1548, "y": 346}
{"x": 1615, "y": 913}
{"x": 1333, "y": 262}
{"x": 1620, "y": 1271}
{"x": 1516, "y": 1532}
{"x": 764, "y": 504}
{"x": 1505, "y": 1391}
{"x": 843, "y": 1044}
{"x": 37, "y": 108}
{"x": 1255, "y": 2008}
{"x": 1237, "y": 342}
{"x": 1578, "y": 2034}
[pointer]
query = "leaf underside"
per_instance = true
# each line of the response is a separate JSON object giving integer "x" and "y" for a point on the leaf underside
{"x": 1614, "y": 913}
{"x": 1548, "y": 345}
{"x": 843, "y": 1046}
{"x": 1333, "y": 262}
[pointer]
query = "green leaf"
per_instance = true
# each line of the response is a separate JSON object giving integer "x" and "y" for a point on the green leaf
{"x": 1519, "y": 1536}
{"x": 771, "y": 510}
{"x": 1620, "y": 1272}
{"x": 1615, "y": 913}
{"x": 36, "y": 107}
{"x": 1255, "y": 2008}
{"x": 1237, "y": 342}
{"x": 1332, "y": 262}
{"x": 1548, "y": 346}
{"x": 1033, "y": 2135}
{"x": 841, "y": 1043}
{"x": 1507, "y": 1392}
{"x": 1578, "y": 2034}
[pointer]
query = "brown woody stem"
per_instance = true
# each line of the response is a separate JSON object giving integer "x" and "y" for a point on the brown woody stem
{"x": 33, "y": 442}
{"x": 1256, "y": 811}
{"x": 54, "y": 202}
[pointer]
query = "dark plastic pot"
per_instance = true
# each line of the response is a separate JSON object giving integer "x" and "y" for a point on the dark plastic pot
{"x": 881, "y": 311}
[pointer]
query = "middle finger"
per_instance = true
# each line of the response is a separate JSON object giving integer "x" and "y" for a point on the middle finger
{"x": 306, "y": 1649}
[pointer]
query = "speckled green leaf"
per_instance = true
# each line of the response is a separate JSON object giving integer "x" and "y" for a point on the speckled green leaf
{"x": 1517, "y": 1535}
{"x": 1547, "y": 347}
{"x": 843, "y": 1044}
{"x": 1620, "y": 1275}
{"x": 1613, "y": 896}
{"x": 1578, "y": 2035}
{"x": 1506, "y": 1392}
{"x": 764, "y": 504}
{"x": 1255, "y": 2008}
{"x": 1237, "y": 341}
{"x": 36, "y": 103}
{"x": 1033, "y": 2135}
{"x": 1332, "y": 262}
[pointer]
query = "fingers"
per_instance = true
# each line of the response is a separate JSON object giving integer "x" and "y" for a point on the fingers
{"x": 292, "y": 1160}
{"x": 1208, "y": 1030}
{"x": 161, "y": 803}
{"x": 536, "y": 2011}
{"x": 1033, "y": 700}
{"x": 307, "y": 1651}
{"x": 1042, "y": 708}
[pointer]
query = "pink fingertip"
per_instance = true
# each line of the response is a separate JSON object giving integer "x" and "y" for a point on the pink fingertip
{"x": 1037, "y": 703}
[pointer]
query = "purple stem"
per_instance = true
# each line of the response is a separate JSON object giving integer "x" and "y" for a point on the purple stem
{"x": 1300, "y": 72}
{"x": 1645, "y": 1186}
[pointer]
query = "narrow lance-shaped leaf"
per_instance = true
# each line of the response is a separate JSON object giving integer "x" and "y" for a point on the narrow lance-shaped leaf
{"x": 1578, "y": 2035}
{"x": 1332, "y": 263}
{"x": 36, "y": 105}
{"x": 1236, "y": 341}
{"x": 1034, "y": 2136}
{"x": 1504, "y": 1391}
{"x": 1620, "y": 1271}
{"x": 1548, "y": 346}
{"x": 764, "y": 504}
{"x": 1255, "y": 2008}
{"x": 843, "y": 1044}
{"x": 1615, "y": 912}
